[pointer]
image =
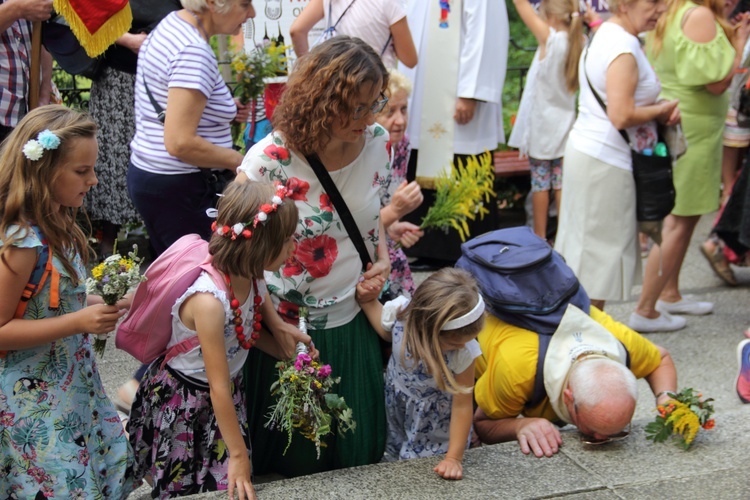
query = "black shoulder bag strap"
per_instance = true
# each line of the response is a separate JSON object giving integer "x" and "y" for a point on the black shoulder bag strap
{"x": 596, "y": 94}
{"x": 160, "y": 113}
{"x": 340, "y": 205}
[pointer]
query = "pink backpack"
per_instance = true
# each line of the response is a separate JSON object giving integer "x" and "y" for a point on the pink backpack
{"x": 147, "y": 329}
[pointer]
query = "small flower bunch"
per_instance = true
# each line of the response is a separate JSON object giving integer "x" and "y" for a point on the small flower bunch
{"x": 305, "y": 402}
{"x": 250, "y": 69}
{"x": 681, "y": 417}
{"x": 462, "y": 195}
{"x": 34, "y": 148}
{"x": 112, "y": 279}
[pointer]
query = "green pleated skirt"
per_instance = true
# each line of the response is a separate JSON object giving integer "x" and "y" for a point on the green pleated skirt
{"x": 354, "y": 353}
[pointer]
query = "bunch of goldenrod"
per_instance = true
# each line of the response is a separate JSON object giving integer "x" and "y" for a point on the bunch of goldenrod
{"x": 462, "y": 195}
{"x": 681, "y": 417}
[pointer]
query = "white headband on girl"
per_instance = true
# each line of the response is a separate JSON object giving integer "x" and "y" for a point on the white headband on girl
{"x": 468, "y": 318}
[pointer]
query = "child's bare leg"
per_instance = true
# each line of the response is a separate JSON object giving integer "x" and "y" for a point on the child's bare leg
{"x": 540, "y": 204}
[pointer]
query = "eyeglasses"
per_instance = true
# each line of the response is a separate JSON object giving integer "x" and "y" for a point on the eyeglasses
{"x": 376, "y": 108}
{"x": 586, "y": 439}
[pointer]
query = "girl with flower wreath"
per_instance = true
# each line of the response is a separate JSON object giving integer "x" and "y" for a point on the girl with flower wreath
{"x": 327, "y": 110}
{"x": 60, "y": 436}
{"x": 188, "y": 425}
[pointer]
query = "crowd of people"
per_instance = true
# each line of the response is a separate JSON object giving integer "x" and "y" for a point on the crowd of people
{"x": 324, "y": 213}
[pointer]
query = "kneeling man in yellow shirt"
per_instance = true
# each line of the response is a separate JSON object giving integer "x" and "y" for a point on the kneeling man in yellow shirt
{"x": 588, "y": 378}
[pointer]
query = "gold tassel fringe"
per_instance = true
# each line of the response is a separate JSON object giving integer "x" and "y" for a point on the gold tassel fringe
{"x": 95, "y": 43}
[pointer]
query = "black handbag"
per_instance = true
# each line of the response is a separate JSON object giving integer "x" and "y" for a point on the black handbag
{"x": 346, "y": 218}
{"x": 654, "y": 189}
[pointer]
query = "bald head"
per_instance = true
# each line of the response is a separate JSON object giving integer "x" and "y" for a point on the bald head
{"x": 603, "y": 394}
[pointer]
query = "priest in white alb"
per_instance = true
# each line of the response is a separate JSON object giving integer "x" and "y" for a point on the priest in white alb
{"x": 456, "y": 105}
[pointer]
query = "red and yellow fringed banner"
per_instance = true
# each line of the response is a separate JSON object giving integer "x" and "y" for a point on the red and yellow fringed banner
{"x": 96, "y": 23}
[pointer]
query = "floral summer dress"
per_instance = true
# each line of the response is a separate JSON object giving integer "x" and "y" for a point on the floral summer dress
{"x": 173, "y": 428}
{"x": 418, "y": 413}
{"x": 60, "y": 435}
{"x": 401, "y": 281}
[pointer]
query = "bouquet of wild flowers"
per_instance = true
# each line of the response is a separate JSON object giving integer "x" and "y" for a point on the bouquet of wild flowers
{"x": 250, "y": 69}
{"x": 462, "y": 195}
{"x": 111, "y": 280}
{"x": 681, "y": 417}
{"x": 305, "y": 402}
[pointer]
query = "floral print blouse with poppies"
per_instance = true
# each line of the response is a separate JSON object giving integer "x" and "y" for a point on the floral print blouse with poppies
{"x": 324, "y": 270}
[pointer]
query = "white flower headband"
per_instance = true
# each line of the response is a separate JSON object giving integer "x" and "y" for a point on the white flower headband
{"x": 34, "y": 148}
{"x": 243, "y": 228}
{"x": 467, "y": 319}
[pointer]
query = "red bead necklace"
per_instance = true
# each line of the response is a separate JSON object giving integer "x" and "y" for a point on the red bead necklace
{"x": 245, "y": 341}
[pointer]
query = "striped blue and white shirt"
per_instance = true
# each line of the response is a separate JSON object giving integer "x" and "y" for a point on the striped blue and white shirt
{"x": 176, "y": 56}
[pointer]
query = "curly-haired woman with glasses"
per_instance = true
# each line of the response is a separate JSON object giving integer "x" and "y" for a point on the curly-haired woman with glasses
{"x": 327, "y": 112}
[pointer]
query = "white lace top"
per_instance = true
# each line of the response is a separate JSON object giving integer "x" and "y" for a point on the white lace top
{"x": 191, "y": 363}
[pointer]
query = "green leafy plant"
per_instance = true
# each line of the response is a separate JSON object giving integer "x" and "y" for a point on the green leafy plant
{"x": 250, "y": 69}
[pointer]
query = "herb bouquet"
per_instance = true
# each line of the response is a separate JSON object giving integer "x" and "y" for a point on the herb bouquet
{"x": 681, "y": 418}
{"x": 112, "y": 279}
{"x": 461, "y": 195}
{"x": 250, "y": 71}
{"x": 305, "y": 402}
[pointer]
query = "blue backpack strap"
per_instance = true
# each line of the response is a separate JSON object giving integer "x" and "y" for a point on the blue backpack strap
{"x": 539, "y": 391}
{"x": 342, "y": 14}
{"x": 36, "y": 276}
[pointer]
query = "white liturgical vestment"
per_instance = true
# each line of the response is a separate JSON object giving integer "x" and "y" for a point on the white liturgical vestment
{"x": 483, "y": 54}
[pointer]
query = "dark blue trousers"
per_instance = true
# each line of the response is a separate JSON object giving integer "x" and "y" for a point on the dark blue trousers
{"x": 171, "y": 205}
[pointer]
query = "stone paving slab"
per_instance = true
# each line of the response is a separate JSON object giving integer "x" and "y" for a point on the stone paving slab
{"x": 635, "y": 460}
{"x": 721, "y": 485}
{"x": 715, "y": 467}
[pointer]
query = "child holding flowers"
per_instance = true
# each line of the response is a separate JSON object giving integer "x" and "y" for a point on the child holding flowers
{"x": 60, "y": 436}
{"x": 548, "y": 105}
{"x": 187, "y": 423}
{"x": 430, "y": 376}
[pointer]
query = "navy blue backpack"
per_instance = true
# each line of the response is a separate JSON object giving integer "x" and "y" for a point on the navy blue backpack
{"x": 524, "y": 282}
